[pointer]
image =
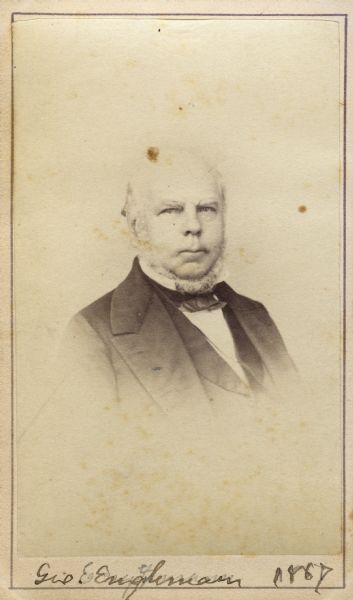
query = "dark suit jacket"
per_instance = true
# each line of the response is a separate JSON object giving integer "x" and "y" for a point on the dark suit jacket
{"x": 150, "y": 345}
{"x": 148, "y": 432}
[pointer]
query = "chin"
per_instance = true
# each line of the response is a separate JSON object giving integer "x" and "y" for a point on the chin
{"x": 190, "y": 278}
{"x": 198, "y": 281}
{"x": 192, "y": 272}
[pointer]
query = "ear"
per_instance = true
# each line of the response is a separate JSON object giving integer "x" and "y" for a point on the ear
{"x": 132, "y": 224}
{"x": 136, "y": 228}
{"x": 134, "y": 235}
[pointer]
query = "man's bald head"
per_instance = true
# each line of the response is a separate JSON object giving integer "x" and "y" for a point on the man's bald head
{"x": 175, "y": 210}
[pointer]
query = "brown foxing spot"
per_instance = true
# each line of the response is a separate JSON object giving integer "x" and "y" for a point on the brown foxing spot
{"x": 152, "y": 153}
{"x": 302, "y": 208}
{"x": 100, "y": 234}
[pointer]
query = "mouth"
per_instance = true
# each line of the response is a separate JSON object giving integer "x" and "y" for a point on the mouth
{"x": 196, "y": 252}
{"x": 193, "y": 256}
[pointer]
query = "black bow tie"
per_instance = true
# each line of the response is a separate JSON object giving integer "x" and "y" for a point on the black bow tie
{"x": 202, "y": 302}
{"x": 192, "y": 302}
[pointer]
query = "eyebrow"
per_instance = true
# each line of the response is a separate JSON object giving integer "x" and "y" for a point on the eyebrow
{"x": 210, "y": 202}
{"x": 171, "y": 202}
{"x": 168, "y": 204}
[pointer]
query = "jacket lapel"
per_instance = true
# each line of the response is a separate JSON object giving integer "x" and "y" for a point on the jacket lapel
{"x": 265, "y": 336}
{"x": 146, "y": 337}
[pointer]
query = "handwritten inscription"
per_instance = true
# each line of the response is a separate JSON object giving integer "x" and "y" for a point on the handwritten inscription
{"x": 153, "y": 575}
{"x": 149, "y": 575}
{"x": 310, "y": 570}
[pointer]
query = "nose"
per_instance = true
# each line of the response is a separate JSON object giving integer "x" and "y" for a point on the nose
{"x": 192, "y": 223}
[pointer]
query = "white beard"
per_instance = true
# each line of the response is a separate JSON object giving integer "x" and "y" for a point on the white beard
{"x": 200, "y": 285}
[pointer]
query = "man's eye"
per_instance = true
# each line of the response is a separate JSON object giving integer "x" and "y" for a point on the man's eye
{"x": 207, "y": 209}
{"x": 171, "y": 210}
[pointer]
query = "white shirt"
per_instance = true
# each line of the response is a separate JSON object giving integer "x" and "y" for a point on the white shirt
{"x": 210, "y": 322}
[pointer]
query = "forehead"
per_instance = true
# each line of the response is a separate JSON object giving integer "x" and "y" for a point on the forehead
{"x": 181, "y": 187}
{"x": 180, "y": 176}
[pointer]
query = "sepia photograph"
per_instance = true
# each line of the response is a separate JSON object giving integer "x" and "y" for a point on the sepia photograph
{"x": 178, "y": 259}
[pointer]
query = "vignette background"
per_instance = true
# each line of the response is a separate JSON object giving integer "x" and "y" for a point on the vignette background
{"x": 259, "y": 98}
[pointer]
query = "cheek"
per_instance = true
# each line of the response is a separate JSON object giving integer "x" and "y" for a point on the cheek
{"x": 161, "y": 236}
{"x": 215, "y": 232}
{"x": 163, "y": 231}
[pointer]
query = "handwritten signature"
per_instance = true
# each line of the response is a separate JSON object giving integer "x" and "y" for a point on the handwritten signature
{"x": 149, "y": 574}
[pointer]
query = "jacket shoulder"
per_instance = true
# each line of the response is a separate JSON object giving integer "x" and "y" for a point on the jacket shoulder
{"x": 239, "y": 301}
{"x": 247, "y": 308}
{"x": 256, "y": 309}
{"x": 96, "y": 312}
{"x": 248, "y": 303}
{"x": 118, "y": 310}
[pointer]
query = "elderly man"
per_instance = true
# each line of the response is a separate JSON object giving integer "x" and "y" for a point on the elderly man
{"x": 169, "y": 418}
{"x": 173, "y": 326}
